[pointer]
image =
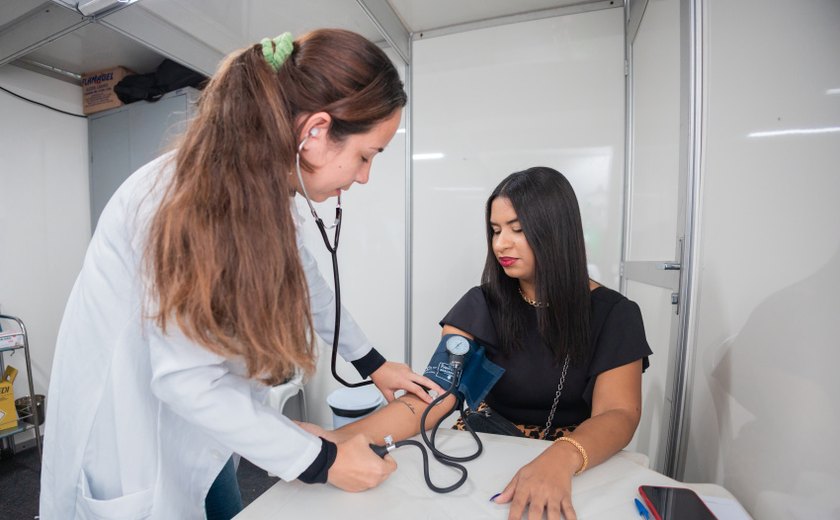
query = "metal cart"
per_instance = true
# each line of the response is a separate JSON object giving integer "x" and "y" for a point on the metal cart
{"x": 10, "y": 342}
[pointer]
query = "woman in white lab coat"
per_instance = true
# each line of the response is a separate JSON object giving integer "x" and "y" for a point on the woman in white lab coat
{"x": 196, "y": 293}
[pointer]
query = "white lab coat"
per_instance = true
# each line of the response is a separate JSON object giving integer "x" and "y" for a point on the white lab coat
{"x": 139, "y": 423}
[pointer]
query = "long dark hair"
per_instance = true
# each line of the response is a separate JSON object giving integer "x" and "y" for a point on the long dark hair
{"x": 221, "y": 255}
{"x": 548, "y": 212}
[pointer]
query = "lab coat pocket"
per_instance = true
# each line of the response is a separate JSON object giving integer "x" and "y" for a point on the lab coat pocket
{"x": 133, "y": 506}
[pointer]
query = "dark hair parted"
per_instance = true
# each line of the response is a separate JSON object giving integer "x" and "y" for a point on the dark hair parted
{"x": 222, "y": 254}
{"x": 548, "y": 212}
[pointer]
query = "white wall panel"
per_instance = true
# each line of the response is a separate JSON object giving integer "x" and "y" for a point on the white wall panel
{"x": 44, "y": 209}
{"x": 764, "y": 414}
{"x": 498, "y": 100}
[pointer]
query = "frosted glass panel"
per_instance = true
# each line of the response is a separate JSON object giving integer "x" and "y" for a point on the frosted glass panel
{"x": 767, "y": 352}
{"x": 493, "y": 101}
{"x": 656, "y": 133}
{"x": 657, "y": 311}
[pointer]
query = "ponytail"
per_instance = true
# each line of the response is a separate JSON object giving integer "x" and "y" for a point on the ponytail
{"x": 222, "y": 256}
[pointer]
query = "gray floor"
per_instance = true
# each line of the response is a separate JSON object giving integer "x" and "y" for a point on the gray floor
{"x": 20, "y": 476}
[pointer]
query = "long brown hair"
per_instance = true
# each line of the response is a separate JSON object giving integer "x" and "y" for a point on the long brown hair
{"x": 222, "y": 257}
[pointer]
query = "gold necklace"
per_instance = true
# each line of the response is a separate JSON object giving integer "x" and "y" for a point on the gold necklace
{"x": 532, "y": 303}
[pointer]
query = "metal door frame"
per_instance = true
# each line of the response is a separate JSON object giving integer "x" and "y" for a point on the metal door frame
{"x": 678, "y": 275}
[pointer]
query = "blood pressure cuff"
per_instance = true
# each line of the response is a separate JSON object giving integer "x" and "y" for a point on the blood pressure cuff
{"x": 478, "y": 375}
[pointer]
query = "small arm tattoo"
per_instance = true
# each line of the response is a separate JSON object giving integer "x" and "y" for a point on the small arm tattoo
{"x": 407, "y": 404}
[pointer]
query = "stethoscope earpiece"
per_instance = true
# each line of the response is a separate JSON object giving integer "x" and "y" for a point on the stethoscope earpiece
{"x": 337, "y": 223}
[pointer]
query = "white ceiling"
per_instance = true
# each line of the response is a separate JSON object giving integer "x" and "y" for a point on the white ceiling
{"x": 200, "y": 32}
{"x": 228, "y": 25}
{"x": 95, "y": 47}
{"x": 424, "y": 15}
{"x": 15, "y": 9}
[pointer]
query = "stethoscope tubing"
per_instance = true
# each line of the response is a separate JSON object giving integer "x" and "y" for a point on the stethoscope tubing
{"x": 441, "y": 457}
{"x": 427, "y": 477}
{"x": 333, "y": 249}
{"x": 430, "y": 442}
{"x": 334, "y": 254}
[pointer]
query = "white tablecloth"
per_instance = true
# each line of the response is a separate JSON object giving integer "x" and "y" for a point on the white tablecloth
{"x": 603, "y": 492}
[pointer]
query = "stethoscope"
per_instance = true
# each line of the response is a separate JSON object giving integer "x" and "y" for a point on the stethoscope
{"x": 457, "y": 347}
{"x": 333, "y": 249}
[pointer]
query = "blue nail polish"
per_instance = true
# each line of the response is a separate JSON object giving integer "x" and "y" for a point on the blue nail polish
{"x": 494, "y": 497}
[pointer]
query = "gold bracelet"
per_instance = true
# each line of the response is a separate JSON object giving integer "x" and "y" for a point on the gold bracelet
{"x": 580, "y": 449}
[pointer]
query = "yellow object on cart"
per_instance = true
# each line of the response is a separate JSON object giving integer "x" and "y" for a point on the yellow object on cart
{"x": 8, "y": 413}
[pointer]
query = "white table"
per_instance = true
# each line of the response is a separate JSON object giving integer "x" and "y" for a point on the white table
{"x": 603, "y": 492}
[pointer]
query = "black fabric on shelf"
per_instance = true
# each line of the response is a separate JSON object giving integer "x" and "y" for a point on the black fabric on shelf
{"x": 167, "y": 77}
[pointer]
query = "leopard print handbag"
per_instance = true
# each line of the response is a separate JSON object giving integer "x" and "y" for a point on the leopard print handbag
{"x": 486, "y": 420}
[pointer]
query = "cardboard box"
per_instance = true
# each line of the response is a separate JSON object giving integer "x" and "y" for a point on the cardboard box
{"x": 8, "y": 413}
{"x": 12, "y": 339}
{"x": 98, "y": 89}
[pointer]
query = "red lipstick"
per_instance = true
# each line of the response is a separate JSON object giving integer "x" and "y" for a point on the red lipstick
{"x": 506, "y": 261}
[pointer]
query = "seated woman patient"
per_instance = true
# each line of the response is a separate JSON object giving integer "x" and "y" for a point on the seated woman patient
{"x": 573, "y": 350}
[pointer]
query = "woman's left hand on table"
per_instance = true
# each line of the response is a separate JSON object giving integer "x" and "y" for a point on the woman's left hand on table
{"x": 542, "y": 485}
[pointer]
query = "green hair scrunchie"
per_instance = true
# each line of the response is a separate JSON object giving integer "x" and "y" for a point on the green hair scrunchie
{"x": 277, "y": 50}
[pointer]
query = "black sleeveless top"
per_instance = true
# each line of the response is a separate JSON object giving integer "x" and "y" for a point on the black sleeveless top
{"x": 525, "y": 392}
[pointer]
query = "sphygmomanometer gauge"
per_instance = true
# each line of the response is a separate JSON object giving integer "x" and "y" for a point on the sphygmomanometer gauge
{"x": 458, "y": 346}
